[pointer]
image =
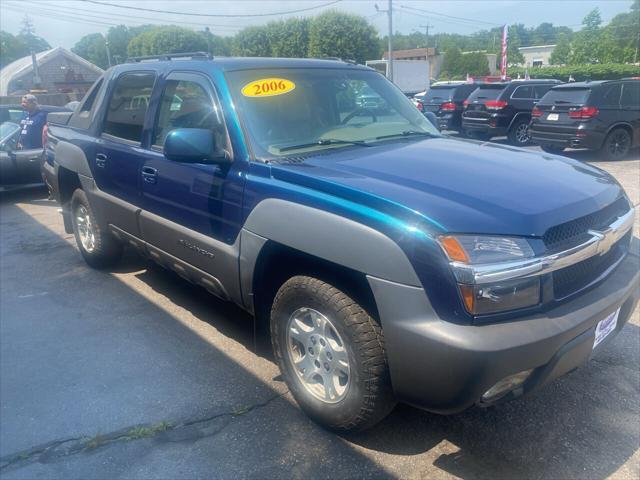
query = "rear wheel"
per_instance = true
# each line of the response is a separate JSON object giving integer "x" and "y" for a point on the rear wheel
{"x": 98, "y": 248}
{"x": 617, "y": 144}
{"x": 519, "y": 133}
{"x": 331, "y": 354}
{"x": 552, "y": 149}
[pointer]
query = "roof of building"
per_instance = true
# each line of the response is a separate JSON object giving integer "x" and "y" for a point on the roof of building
{"x": 25, "y": 64}
{"x": 413, "y": 52}
{"x": 532, "y": 47}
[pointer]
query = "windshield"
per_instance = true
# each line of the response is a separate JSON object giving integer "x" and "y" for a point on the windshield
{"x": 7, "y": 129}
{"x": 574, "y": 96}
{"x": 292, "y": 111}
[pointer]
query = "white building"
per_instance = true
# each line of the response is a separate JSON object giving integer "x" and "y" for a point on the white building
{"x": 537, "y": 56}
{"x": 59, "y": 71}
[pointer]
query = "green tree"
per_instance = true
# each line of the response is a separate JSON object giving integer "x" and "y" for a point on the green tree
{"x": 451, "y": 63}
{"x": 216, "y": 45}
{"x": 344, "y": 35}
{"x": 586, "y": 46}
{"x": 289, "y": 38}
{"x": 92, "y": 48}
{"x": 11, "y": 48}
{"x": 166, "y": 39}
{"x": 29, "y": 38}
{"x": 474, "y": 64}
{"x": 562, "y": 51}
{"x": 252, "y": 42}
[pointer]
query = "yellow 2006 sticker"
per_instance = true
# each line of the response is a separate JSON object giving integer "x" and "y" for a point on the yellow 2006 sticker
{"x": 268, "y": 87}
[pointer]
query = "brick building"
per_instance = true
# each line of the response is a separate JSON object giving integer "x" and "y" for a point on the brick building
{"x": 59, "y": 70}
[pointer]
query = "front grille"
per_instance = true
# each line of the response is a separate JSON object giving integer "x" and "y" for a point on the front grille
{"x": 574, "y": 278}
{"x": 574, "y": 232}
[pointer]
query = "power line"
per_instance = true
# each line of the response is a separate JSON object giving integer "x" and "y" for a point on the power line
{"x": 449, "y": 16}
{"x": 219, "y": 15}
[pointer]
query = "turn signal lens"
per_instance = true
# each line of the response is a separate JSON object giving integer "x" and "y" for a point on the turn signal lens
{"x": 495, "y": 104}
{"x": 584, "y": 113}
{"x": 501, "y": 296}
{"x": 468, "y": 296}
{"x": 454, "y": 249}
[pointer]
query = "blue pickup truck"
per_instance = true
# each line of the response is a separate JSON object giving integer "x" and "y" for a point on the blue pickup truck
{"x": 389, "y": 262}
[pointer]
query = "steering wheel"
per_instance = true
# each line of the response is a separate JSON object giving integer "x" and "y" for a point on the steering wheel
{"x": 357, "y": 112}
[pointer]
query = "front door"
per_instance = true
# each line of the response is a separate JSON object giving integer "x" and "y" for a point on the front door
{"x": 192, "y": 212}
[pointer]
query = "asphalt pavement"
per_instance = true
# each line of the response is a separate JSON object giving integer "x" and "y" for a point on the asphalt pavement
{"x": 134, "y": 373}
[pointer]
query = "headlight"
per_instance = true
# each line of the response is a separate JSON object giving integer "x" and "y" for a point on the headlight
{"x": 485, "y": 250}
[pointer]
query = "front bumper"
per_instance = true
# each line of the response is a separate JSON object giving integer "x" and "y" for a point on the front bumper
{"x": 445, "y": 367}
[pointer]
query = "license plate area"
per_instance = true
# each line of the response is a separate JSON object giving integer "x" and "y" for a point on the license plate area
{"x": 605, "y": 327}
{"x": 553, "y": 117}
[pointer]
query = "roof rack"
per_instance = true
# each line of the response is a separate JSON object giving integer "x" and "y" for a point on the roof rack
{"x": 171, "y": 56}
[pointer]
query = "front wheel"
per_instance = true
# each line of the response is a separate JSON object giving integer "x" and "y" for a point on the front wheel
{"x": 98, "y": 248}
{"x": 331, "y": 354}
{"x": 519, "y": 133}
{"x": 617, "y": 144}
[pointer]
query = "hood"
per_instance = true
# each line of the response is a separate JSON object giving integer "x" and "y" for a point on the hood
{"x": 461, "y": 186}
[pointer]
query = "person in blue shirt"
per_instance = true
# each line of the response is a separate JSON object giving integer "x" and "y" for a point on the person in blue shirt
{"x": 32, "y": 123}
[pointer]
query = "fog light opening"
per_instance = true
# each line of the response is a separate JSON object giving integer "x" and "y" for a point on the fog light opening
{"x": 505, "y": 386}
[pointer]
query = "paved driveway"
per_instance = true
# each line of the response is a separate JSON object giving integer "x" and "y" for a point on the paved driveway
{"x": 134, "y": 373}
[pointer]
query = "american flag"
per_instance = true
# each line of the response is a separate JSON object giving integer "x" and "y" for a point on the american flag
{"x": 503, "y": 63}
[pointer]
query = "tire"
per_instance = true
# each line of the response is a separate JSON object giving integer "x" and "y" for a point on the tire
{"x": 617, "y": 144}
{"x": 98, "y": 248}
{"x": 348, "y": 350}
{"x": 519, "y": 133}
{"x": 552, "y": 149}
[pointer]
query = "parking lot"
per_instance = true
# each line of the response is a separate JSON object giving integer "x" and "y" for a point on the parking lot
{"x": 134, "y": 373}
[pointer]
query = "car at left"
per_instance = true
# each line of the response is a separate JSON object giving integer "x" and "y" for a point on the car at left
{"x": 19, "y": 166}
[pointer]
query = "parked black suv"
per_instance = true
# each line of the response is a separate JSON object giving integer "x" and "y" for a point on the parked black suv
{"x": 497, "y": 109}
{"x": 445, "y": 100}
{"x": 595, "y": 115}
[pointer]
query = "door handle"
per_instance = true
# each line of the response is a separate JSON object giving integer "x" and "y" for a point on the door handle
{"x": 150, "y": 174}
{"x": 101, "y": 160}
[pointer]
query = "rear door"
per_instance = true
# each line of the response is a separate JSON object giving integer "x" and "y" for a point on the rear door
{"x": 118, "y": 155}
{"x": 437, "y": 96}
{"x": 556, "y": 104}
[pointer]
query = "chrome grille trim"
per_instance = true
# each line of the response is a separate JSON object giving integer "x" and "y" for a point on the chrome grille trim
{"x": 600, "y": 242}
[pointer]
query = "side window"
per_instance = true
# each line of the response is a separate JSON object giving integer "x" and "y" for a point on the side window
{"x": 524, "y": 92}
{"x": 187, "y": 104}
{"x": 540, "y": 90}
{"x": 128, "y": 106}
{"x": 89, "y": 100}
{"x": 630, "y": 95}
{"x": 611, "y": 96}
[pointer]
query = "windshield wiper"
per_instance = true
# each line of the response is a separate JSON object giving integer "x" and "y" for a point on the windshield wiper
{"x": 408, "y": 133}
{"x": 325, "y": 141}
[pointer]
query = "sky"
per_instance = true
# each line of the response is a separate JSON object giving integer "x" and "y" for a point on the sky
{"x": 64, "y": 22}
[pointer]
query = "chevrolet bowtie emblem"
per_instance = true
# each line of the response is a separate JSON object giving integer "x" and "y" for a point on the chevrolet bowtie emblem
{"x": 606, "y": 239}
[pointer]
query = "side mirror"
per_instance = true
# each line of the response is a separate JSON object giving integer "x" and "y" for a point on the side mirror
{"x": 194, "y": 145}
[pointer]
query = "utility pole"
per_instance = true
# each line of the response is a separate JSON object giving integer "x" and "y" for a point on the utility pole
{"x": 426, "y": 27}
{"x": 389, "y": 12}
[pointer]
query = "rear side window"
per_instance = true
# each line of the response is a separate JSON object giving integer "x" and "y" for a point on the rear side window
{"x": 540, "y": 91}
{"x": 128, "y": 106}
{"x": 611, "y": 95}
{"x": 439, "y": 94}
{"x": 89, "y": 100}
{"x": 566, "y": 96}
{"x": 523, "y": 91}
{"x": 487, "y": 92}
{"x": 630, "y": 95}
